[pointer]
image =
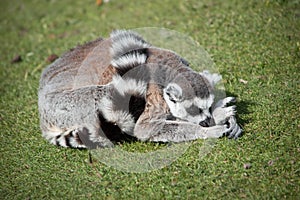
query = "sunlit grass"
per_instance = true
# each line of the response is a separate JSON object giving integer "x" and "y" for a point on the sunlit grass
{"x": 257, "y": 41}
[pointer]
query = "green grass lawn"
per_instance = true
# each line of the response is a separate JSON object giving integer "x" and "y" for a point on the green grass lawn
{"x": 257, "y": 41}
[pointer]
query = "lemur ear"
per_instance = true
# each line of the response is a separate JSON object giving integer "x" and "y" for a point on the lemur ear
{"x": 212, "y": 78}
{"x": 174, "y": 92}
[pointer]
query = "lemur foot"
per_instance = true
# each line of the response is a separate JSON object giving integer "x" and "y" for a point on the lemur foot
{"x": 226, "y": 115}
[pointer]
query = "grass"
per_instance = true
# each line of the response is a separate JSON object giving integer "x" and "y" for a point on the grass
{"x": 257, "y": 41}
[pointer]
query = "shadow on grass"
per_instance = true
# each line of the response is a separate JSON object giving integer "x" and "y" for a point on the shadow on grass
{"x": 242, "y": 109}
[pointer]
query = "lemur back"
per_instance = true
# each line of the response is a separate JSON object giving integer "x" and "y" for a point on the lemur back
{"x": 124, "y": 86}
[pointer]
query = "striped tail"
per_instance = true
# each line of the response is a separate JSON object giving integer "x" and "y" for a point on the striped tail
{"x": 128, "y": 50}
{"x": 68, "y": 138}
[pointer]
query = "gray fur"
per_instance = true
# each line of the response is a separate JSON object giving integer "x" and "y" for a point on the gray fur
{"x": 83, "y": 101}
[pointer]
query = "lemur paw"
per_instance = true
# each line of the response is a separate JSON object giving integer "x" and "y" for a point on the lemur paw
{"x": 226, "y": 115}
{"x": 222, "y": 114}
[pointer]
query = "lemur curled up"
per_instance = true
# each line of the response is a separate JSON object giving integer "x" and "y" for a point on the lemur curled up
{"x": 122, "y": 85}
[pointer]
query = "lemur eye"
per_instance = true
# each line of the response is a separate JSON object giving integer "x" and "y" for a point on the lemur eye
{"x": 172, "y": 100}
{"x": 200, "y": 111}
{"x": 210, "y": 109}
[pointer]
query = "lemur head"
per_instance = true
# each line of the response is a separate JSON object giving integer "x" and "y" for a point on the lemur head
{"x": 190, "y": 96}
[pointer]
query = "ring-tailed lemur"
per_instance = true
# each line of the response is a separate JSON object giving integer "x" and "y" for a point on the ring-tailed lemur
{"x": 104, "y": 89}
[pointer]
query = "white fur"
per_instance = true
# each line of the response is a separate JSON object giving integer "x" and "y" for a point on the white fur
{"x": 212, "y": 78}
{"x": 174, "y": 90}
{"x": 123, "y": 119}
{"x": 129, "y": 85}
{"x": 204, "y": 103}
{"x": 125, "y": 41}
{"x": 129, "y": 60}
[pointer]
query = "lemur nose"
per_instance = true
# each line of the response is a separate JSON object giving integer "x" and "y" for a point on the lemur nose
{"x": 207, "y": 122}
